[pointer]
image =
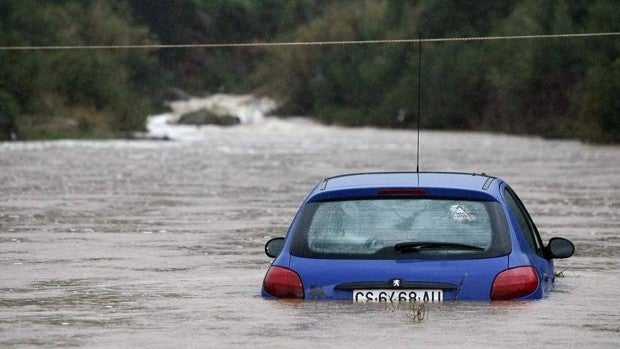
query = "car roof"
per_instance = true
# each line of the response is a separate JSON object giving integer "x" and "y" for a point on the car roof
{"x": 442, "y": 182}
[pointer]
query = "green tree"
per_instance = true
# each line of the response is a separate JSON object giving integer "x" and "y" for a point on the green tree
{"x": 599, "y": 101}
{"x": 218, "y": 21}
{"x": 74, "y": 92}
{"x": 554, "y": 87}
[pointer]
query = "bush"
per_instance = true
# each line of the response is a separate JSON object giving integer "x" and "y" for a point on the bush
{"x": 76, "y": 92}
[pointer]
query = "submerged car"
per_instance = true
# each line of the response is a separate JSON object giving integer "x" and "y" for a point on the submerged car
{"x": 414, "y": 236}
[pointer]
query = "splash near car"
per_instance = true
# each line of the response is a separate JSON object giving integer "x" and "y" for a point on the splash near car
{"x": 412, "y": 237}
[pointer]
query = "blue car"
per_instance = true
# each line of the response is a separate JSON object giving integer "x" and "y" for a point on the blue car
{"x": 412, "y": 236}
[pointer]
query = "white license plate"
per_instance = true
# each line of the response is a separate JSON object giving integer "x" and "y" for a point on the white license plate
{"x": 397, "y": 295}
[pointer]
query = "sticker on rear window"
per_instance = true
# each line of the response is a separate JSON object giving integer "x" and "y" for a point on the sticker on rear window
{"x": 460, "y": 214}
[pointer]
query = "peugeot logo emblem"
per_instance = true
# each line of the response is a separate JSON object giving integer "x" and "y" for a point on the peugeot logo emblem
{"x": 396, "y": 283}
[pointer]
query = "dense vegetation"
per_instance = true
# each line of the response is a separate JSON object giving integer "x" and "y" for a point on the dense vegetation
{"x": 74, "y": 93}
{"x": 556, "y": 87}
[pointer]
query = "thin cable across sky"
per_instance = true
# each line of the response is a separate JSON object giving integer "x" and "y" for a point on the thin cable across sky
{"x": 301, "y": 43}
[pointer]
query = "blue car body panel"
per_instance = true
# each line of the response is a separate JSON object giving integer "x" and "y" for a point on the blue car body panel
{"x": 469, "y": 279}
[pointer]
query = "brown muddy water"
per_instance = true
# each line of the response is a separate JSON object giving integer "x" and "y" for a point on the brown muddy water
{"x": 159, "y": 244}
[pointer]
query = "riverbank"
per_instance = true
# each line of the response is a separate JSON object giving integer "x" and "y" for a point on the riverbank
{"x": 217, "y": 110}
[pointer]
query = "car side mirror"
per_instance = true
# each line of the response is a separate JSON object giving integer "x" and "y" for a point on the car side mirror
{"x": 560, "y": 248}
{"x": 273, "y": 247}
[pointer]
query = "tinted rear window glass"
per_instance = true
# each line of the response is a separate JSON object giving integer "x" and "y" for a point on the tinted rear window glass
{"x": 370, "y": 229}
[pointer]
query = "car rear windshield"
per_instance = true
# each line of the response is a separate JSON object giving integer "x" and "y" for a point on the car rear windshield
{"x": 401, "y": 229}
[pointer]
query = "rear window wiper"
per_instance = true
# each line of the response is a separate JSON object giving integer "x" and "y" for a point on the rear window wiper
{"x": 404, "y": 247}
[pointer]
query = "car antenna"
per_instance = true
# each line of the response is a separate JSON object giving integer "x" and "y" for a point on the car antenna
{"x": 417, "y": 164}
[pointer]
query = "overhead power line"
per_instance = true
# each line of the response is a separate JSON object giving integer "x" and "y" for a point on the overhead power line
{"x": 301, "y": 43}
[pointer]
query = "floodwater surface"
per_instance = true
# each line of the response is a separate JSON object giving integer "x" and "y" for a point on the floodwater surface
{"x": 160, "y": 243}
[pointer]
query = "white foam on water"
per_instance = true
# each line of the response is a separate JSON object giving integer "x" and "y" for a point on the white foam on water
{"x": 248, "y": 108}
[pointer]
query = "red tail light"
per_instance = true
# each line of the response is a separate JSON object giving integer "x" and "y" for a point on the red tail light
{"x": 514, "y": 283}
{"x": 283, "y": 283}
